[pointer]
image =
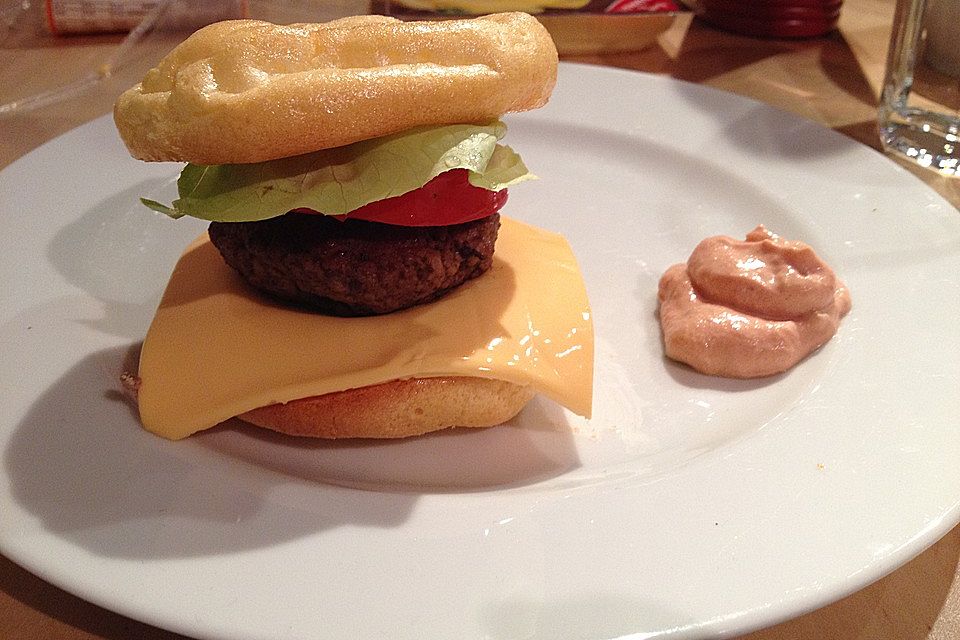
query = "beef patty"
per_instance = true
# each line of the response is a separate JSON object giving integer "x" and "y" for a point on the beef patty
{"x": 355, "y": 267}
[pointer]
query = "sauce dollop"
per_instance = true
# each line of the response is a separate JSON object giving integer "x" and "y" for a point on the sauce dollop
{"x": 750, "y": 308}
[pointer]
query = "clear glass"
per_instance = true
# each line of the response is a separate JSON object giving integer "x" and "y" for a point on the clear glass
{"x": 919, "y": 113}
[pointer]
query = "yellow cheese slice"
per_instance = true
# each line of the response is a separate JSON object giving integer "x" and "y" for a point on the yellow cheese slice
{"x": 216, "y": 349}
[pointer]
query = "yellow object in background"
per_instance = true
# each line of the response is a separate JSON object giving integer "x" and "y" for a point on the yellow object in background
{"x": 479, "y": 7}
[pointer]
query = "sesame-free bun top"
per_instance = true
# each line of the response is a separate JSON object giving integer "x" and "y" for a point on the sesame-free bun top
{"x": 246, "y": 91}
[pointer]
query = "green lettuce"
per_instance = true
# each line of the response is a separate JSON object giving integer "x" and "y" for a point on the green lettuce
{"x": 337, "y": 181}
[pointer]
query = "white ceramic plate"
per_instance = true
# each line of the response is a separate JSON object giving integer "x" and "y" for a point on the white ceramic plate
{"x": 687, "y": 506}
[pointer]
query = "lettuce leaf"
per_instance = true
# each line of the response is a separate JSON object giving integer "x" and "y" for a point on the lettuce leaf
{"x": 337, "y": 181}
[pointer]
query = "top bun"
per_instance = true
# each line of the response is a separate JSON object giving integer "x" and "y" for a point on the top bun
{"x": 245, "y": 91}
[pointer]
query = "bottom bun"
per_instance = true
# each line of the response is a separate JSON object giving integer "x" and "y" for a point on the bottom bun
{"x": 396, "y": 409}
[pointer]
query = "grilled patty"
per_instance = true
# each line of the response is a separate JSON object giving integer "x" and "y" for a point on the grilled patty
{"x": 355, "y": 267}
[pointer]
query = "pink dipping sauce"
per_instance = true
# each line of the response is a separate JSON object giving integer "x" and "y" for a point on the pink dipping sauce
{"x": 747, "y": 309}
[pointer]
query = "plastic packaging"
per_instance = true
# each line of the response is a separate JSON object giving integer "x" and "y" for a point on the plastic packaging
{"x": 126, "y": 36}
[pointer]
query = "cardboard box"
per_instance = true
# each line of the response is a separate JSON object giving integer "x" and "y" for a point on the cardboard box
{"x": 577, "y": 26}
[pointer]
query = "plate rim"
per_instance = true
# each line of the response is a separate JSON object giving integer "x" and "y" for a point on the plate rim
{"x": 745, "y": 620}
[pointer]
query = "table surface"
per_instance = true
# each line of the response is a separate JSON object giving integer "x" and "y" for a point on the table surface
{"x": 834, "y": 80}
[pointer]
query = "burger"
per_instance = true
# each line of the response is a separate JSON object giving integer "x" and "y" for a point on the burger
{"x": 352, "y": 177}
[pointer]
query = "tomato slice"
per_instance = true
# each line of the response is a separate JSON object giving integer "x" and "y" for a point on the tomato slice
{"x": 447, "y": 199}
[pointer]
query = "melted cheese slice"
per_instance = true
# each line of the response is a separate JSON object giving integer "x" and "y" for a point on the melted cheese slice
{"x": 216, "y": 349}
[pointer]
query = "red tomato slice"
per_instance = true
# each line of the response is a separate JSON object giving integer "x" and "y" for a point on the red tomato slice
{"x": 447, "y": 199}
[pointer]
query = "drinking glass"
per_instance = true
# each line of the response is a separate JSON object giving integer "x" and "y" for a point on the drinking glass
{"x": 919, "y": 115}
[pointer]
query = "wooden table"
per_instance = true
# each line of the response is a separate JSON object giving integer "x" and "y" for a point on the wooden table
{"x": 833, "y": 80}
